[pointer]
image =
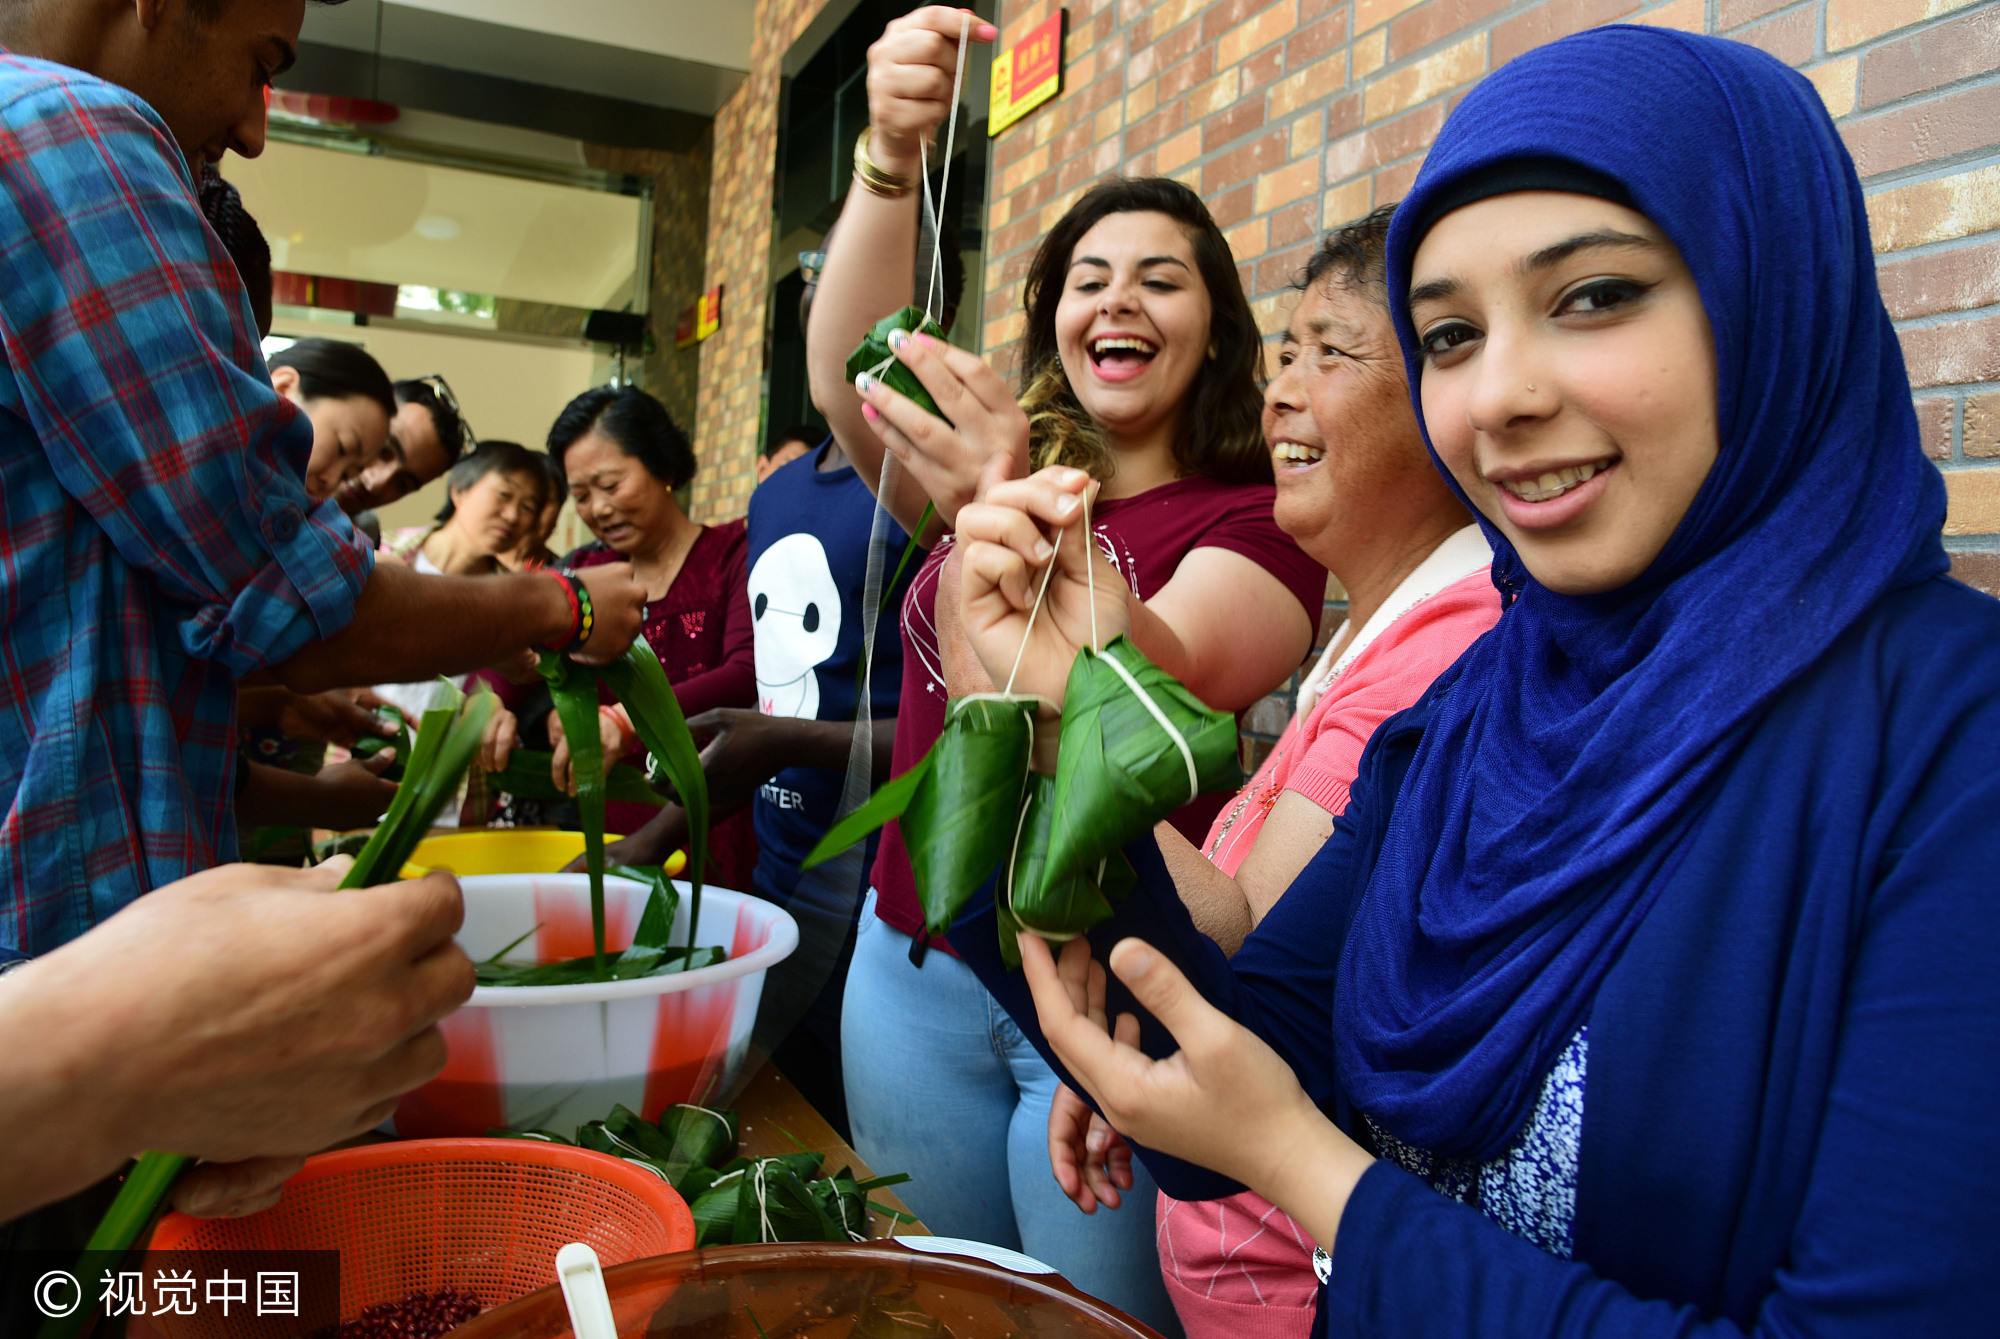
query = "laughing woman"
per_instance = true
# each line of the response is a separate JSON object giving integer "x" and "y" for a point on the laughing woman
{"x": 1140, "y": 361}
{"x": 1646, "y": 984}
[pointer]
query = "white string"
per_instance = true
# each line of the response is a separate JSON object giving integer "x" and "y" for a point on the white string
{"x": 933, "y": 207}
{"x": 944, "y": 177}
{"x": 1090, "y": 569}
{"x": 1146, "y": 699}
{"x": 1034, "y": 609}
{"x": 765, "y": 1232}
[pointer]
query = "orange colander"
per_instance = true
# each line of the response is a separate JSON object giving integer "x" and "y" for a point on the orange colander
{"x": 481, "y": 1215}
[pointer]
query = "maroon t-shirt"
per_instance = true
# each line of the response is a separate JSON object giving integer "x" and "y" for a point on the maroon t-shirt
{"x": 1145, "y": 537}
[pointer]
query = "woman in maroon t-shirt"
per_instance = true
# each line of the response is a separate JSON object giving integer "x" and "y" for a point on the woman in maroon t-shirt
{"x": 1139, "y": 364}
{"x": 624, "y": 457}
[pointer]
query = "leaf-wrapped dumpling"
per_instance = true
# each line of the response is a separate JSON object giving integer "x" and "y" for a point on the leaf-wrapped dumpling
{"x": 961, "y": 818}
{"x": 873, "y": 353}
{"x": 1135, "y": 746}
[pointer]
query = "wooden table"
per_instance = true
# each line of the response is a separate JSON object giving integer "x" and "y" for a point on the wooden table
{"x": 770, "y": 1108}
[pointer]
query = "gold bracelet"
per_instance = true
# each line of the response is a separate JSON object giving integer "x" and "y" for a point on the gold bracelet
{"x": 873, "y": 179}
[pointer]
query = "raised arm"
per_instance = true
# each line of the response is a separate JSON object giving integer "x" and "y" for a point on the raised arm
{"x": 872, "y": 253}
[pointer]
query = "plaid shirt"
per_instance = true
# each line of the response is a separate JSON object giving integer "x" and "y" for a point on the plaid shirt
{"x": 158, "y": 541}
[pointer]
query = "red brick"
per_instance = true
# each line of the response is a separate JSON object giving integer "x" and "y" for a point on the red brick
{"x": 1018, "y": 233}
{"x": 1383, "y": 143}
{"x": 1956, "y": 280}
{"x": 1312, "y": 9}
{"x": 1393, "y": 183}
{"x": 1980, "y": 436}
{"x": 1736, "y": 13}
{"x": 1558, "y": 18}
{"x": 1232, "y": 207}
{"x": 1074, "y": 173}
{"x": 999, "y": 303}
{"x": 1141, "y": 166}
{"x": 1246, "y": 275}
{"x": 1953, "y": 352}
{"x": 1281, "y": 269}
{"x": 1314, "y": 40}
{"x": 1100, "y": 94}
{"x": 1035, "y": 194}
{"x": 1792, "y": 37}
{"x": 1940, "y": 127}
{"x": 1148, "y": 131}
{"x": 1932, "y": 58}
{"x": 1178, "y": 79}
{"x": 1437, "y": 20}
{"x": 1261, "y": 69}
{"x": 1070, "y": 143}
{"x": 1934, "y": 416}
{"x": 1343, "y": 115}
{"x": 1143, "y": 63}
{"x": 1181, "y": 43}
{"x": 1014, "y": 269}
{"x": 1222, "y": 15}
{"x": 1981, "y": 571}
{"x": 1238, "y": 121}
{"x": 1295, "y": 223}
{"x": 1242, "y": 164}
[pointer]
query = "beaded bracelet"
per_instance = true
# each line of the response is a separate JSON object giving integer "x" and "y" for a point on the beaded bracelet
{"x": 586, "y": 616}
{"x": 573, "y": 592}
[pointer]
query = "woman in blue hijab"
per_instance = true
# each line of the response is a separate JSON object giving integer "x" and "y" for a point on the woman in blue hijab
{"x": 1648, "y": 985}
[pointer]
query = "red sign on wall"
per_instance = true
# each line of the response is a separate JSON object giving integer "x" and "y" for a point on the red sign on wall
{"x": 1027, "y": 74}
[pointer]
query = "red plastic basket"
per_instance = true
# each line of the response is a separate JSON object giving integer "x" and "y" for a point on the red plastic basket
{"x": 481, "y": 1215}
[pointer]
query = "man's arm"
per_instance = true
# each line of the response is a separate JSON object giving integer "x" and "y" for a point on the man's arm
{"x": 408, "y": 627}
{"x": 240, "y": 1013}
{"x": 135, "y": 364}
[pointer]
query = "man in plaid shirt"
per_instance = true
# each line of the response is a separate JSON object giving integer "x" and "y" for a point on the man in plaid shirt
{"x": 156, "y": 540}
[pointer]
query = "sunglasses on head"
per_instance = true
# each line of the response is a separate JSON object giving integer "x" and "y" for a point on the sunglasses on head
{"x": 441, "y": 388}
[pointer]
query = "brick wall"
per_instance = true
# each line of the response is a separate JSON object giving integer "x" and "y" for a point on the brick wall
{"x": 1289, "y": 116}
{"x": 739, "y": 243}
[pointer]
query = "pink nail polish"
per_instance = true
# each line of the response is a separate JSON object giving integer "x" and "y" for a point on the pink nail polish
{"x": 869, "y": 412}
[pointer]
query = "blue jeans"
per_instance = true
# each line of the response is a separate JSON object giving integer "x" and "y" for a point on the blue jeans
{"x": 942, "y": 1085}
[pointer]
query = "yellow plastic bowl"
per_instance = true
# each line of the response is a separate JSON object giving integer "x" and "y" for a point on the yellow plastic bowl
{"x": 507, "y": 851}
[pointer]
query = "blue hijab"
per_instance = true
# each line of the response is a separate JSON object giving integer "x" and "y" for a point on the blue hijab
{"x": 1579, "y": 743}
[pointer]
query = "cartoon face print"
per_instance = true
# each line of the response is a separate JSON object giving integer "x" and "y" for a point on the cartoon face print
{"x": 795, "y": 609}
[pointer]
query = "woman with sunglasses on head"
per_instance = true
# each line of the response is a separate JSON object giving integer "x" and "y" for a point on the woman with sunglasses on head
{"x": 1140, "y": 365}
{"x": 1659, "y": 936}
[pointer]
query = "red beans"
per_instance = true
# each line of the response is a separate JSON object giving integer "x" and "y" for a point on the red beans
{"x": 418, "y": 1316}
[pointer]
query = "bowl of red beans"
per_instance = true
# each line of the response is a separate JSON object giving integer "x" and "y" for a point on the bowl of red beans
{"x": 433, "y": 1232}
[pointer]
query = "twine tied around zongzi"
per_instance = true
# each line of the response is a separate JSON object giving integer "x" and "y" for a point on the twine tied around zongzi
{"x": 933, "y": 207}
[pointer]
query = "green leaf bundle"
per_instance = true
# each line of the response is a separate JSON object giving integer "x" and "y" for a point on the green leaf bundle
{"x": 528, "y": 776}
{"x": 649, "y": 954}
{"x": 367, "y": 746}
{"x": 637, "y": 681}
{"x": 1135, "y": 746}
{"x": 873, "y": 353}
{"x": 447, "y": 740}
{"x": 957, "y": 805}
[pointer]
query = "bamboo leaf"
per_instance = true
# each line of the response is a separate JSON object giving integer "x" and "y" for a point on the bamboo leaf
{"x": 656, "y": 922}
{"x": 447, "y": 741}
{"x": 575, "y": 694}
{"x": 638, "y": 682}
{"x": 873, "y": 356}
{"x": 528, "y": 776}
{"x": 1118, "y": 769}
{"x": 960, "y": 820}
{"x": 1053, "y": 908}
{"x": 886, "y": 803}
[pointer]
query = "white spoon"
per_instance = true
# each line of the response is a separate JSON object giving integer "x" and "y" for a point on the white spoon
{"x": 582, "y": 1280}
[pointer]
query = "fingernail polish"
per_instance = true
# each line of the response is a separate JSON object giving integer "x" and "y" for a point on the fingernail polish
{"x": 869, "y": 412}
{"x": 922, "y": 340}
{"x": 863, "y": 382}
{"x": 897, "y": 339}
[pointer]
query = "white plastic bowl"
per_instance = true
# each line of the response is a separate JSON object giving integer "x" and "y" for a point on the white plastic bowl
{"x": 553, "y": 1057}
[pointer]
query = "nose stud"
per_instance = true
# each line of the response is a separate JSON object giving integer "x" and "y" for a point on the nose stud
{"x": 1531, "y": 388}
